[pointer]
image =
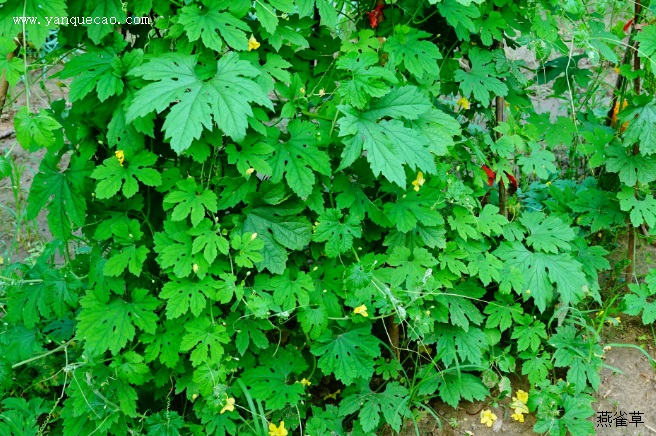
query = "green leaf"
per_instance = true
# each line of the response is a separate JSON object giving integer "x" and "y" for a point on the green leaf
{"x": 337, "y": 235}
{"x": 542, "y": 271}
{"x": 208, "y": 22}
{"x": 130, "y": 367}
{"x": 297, "y": 157}
{"x": 314, "y": 320}
{"x": 248, "y": 331}
{"x": 266, "y": 16}
{"x": 224, "y": 99}
{"x": 205, "y": 338}
{"x": 287, "y": 292}
{"x": 641, "y": 300}
{"x": 647, "y": 39}
{"x": 174, "y": 246}
{"x": 392, "y": 403}
{"x": 68, "y": 205}
{"x": 274, "y": 382}
{"x": 164, "y": 423}
{"x": 414, "y": 208}
{"x": 349, "y": 355}
{"x": 45, "y": 293}
{"x": 540, "y": 162}
{"x": 459, "y": 16}
{"x": 103, "y": 10}
{"x": 439, "y": 128}
{"x": 632, "y": 168}
{"x": 411, "y": 266}
{"x": 491, "y": 28}
{"x": 547, "y": 233}
{"x": 131, "y": 257}
{"x": 165, "y": 343}
{"x": 388, "y": 142}
{"x": 278, "y": 229}
{"x": 327, "y": 13}
{"x": 461, "y": 310}
{"x": 106, "y": 325}
{"x": 5, "y": 167}
{"x": 208, "y": 240}
{"x": 13, "y": 69}
{"x": 482, "y": 79}
{"x": 536, "y": 367}
{"x": 454, "y": 387}
{"x": 35, "y": 131}
{"x": 251, "y": 154}
{"x": 185, "y": 294}
{"x": 249, "y": 249}
{"x": 96, "y": 69}
{"x": 641, "y": 128}
{"x": 464, "y": 222}
{"x": 451, "y": 259}
{"x": 486, "y": 266}
{"x": 641, "y": 211}
{"x": 456, "y": 342}
{"x": 43, "y": 12}
{"x": 490, "y": 222}
{"x": 367, "y": 79}
{"x": 418, "y": 57}
{"x": 529, "y": 333}
{"x": 190, "y": 199}
{"x": 112, "y": 174}
{"x": 502, "y": 312}
{"x": 599, "y": 209}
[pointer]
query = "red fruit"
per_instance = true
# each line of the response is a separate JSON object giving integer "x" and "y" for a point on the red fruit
{"x": 376, "y": 16}
{"x": 627, "y": 26}
{"x": 491, "y": 175}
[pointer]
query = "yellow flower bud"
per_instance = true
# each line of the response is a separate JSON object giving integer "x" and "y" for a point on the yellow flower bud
{"x": 252, "y": 43}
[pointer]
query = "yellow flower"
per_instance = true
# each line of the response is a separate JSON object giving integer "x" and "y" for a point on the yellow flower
{"x": 250, "y": 171}
{"x": 419, "y": 182}
{"x": 522, "y": 396}
{"x": 120, "y": 156}
{"x": 361, "y": 310}
{"x": 253, "y": 44}
{"x": 333, "y": 395}
{"x": 230, "y": 406}
{"x": 305, "y": 382}
{"x": 518, "y": 417}
{"x": 488, "y": 418}
{"x": 518, "y": 407}
{"x": 463, "y": 103}
{"x": 322, "y": 92}
{"x": 277, "y": 431}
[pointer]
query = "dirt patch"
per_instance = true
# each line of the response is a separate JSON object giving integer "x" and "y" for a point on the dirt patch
{"x": 21, "y": 238}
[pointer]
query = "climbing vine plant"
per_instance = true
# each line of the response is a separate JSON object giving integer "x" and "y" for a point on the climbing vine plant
{"x": 315, "y": 217}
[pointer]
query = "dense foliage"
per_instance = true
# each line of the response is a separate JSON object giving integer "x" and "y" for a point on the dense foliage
{"x": 289, "y": 215}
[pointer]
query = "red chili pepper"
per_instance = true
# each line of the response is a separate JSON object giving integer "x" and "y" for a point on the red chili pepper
{"x": 376, "y": 16}
{"x": 627, "y": 25}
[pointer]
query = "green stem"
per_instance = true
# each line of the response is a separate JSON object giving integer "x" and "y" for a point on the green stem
{"x": 315, "y": 115}
{"x": 40, "y": 356}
